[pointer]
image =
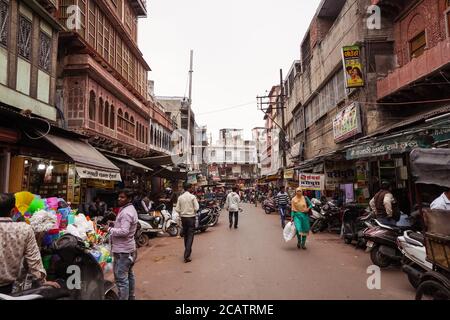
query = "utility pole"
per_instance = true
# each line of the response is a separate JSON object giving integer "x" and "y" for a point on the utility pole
{"x": 283, "y": 121}
{"x": 191, "y": 71}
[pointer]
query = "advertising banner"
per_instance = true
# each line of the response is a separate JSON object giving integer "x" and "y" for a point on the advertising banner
{"x": 347, "y": 123}
{"x": 354, "y": 77}
{"x": 312, "y": 182}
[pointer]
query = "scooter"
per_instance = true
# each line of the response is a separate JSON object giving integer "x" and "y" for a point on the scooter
{"x": 355, "y": 220}
{"x": 315, "y": 211}
{"x": 269, "y": 206}
{"x": 71, "y": 251}
{"x": 203, "y": 220}
{"x": 415, "y": 264}
{"x": 151, "y": 225}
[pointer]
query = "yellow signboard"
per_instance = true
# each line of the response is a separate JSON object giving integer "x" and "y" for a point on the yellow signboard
{"x": 354, "y": 77}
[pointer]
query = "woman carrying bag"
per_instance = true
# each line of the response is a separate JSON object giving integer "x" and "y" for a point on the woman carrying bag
{"x": 301, "y": 207}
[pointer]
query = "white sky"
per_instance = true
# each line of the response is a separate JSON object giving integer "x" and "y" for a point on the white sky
{"x": 239, "y": 47}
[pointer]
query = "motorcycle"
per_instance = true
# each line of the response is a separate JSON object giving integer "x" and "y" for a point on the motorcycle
{"x": 203, "y": 220}
{"x": 315, "y": 211}
{"x": 71, "y": 251}
{"x": 152, "y": 225}
{"x": 414, "y": 263}
{"x": 355, "y": 221}
{"x": 269, "y": 206}
{"x": 382, "y": 241}
{"x": 329, "y": 219}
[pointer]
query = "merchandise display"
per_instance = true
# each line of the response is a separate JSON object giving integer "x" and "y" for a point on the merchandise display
{"x": 51, "y": 218}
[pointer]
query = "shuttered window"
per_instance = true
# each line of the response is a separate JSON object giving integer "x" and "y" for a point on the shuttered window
{"x": 4, "y": 18}
{"x": 418, "y": 44}
{"x": 45, "y": 47}
{"x": 24, "y": 41}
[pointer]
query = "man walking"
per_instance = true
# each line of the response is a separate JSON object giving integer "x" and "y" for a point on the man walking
{"x": 282, "y": 200}
{"x": 232, "y": 205}
{"x": 124, "y": 245}
{"x": 187, "y": 207}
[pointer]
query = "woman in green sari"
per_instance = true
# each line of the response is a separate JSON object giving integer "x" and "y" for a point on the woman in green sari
{"x": 301, "y": 206}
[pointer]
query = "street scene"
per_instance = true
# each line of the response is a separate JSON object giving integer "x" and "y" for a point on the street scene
{"x": 224, "y": 150}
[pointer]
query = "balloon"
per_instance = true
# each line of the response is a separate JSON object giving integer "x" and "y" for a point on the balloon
{"x": 23, "y": 201}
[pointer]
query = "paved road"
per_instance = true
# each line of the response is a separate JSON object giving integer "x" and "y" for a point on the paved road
{"x": 254, "y": 262}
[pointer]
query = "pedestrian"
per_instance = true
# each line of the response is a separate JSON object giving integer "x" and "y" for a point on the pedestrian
{"x": 301, "y": 206}
{"x": 232, "y": 205}
{"x": 187, "y": 207}
{"x": 384, "y": 205}
{"x": 282, "y": 200}
{"x": 124, "y": 245}
{"x": 442, "y": 202}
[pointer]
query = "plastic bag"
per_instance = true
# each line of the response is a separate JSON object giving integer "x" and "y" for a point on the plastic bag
{"x": 289, "y": 231}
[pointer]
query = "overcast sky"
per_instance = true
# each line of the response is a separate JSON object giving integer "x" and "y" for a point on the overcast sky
{"x": 239, "y": 47}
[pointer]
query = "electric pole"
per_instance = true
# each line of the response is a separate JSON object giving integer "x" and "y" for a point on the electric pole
{"x": 191, "y": 71}
{"x": 283, "y": 123}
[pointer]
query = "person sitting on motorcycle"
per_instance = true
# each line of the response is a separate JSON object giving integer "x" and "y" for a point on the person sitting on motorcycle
{"x": 18, "y": 245}
{"x": 384, "y": 205}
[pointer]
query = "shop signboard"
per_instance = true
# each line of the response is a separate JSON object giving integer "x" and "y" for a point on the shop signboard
{"x": 312, "y": 182}
{"x": 289, "y": 174}
{"x": 353, "y": 69}
{"x": 338, "y": 173}
{"x": 88, "y": 173}
{"x": 192, "y": 178}
{"x": 398, "y": 145}
{"x": 347, "y": 123}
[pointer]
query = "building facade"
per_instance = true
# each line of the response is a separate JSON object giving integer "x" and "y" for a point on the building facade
{"x": 232, "y": 159}
{"x": 103, "y": 76}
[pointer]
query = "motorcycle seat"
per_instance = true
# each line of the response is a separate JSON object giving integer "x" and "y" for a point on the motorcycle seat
{"x": 417, "y": 236}
{"x": 146, "y": 217}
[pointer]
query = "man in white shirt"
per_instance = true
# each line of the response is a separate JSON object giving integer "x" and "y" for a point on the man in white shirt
{"x": 187, "y": 207}
{"x": 232, "y": 205}
{"x": 442, "y": 202}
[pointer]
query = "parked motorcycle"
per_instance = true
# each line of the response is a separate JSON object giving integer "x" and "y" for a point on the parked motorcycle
{"x": 71, "y": 251}
{"x": 152, "y": 225}
{"x": 382, "y": 241}
{"x": 329, "y": 219}
{"x": 269, "y": 205}
{"x": 315, "y": 211}
{"x": 203, "y": 220}
{"x": 355, "y": 221}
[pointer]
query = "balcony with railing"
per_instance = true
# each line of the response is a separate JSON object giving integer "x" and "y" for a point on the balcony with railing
{"x": 432, "y": 60}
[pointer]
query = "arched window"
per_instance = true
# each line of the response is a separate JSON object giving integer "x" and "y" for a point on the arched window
{"x": 100, "y": 111}
{"x": 137, "y": 131}
{"x": 127, "y": 125}
{"x": 151, "y": 134}
{"x": 106, "y": 115}
{"x": 120, "y": 119}
{"x": 131, "y": 129}
{"x": 112, "y": 118}
{"x": 92, "y": 105}
{"x": 146, "y": 135}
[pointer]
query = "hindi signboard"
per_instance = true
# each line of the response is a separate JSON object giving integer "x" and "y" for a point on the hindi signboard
{"x": 347, "y": 123}
{"x": 354, "y": 77}
{"x": 313, "y": 182}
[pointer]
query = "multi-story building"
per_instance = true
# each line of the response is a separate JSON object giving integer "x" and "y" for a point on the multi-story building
{"x": 358, "y": 135}
{"x": 103, "y": 75}
{"x": 232, "y": 159}
{"x": 28, "y": 51}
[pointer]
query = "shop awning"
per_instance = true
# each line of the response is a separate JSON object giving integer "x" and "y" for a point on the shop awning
{"x": 169, "y": 172}
{"x": 431, "y": 166}
{"x": 158, "y": 160}
{"x": 90, "y": 163}
{"x": 130, "y": 162}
